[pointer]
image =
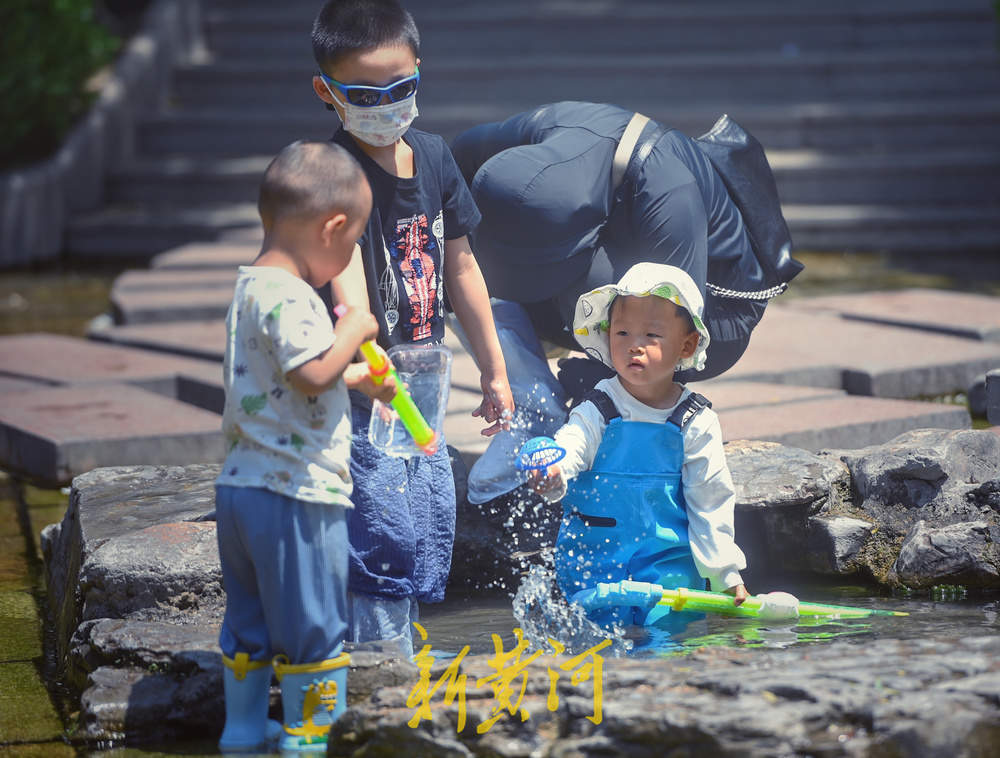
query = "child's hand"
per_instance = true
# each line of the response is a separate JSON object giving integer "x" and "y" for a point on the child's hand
{"x": 497, "y": 407}
{"x": 358, "y": 377}
{"x": 740, "y": 591}
{"x": 356, "y": 324}
{"x": 544, "y": 481}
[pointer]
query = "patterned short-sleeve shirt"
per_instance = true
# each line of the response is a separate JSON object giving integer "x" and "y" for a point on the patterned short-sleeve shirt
{"x": 277, "y": 437}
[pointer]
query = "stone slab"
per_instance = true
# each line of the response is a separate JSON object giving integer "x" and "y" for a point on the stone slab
{"x": 14, "y": 384}
{"x": 960, "y": 314}
{"x": 131, "y": 306}
{"x": 173, "y": 279}
{"x": 791, "y": 346}
{"x": 203, "y": 339}
{"x": 844, "y": 422}
{"x": 54, "y": 434}
{"x": 58, "y": 359}
{"x": 734, "y": 395}
{"x": 202, "y": 255}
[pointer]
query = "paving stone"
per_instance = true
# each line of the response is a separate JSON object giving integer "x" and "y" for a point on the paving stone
{"x": 845, "y": 422}
{"x": 958, "y": 313}
{"x": 201, "y": 255}
{"x": 792, "y": 346}
{"x": 194, "y": 339}
{"x": 14, "y": 384}
{"x": 56, "y": 433}
{"x": 736, "y": 394}
{"x": 200, "y": 384}
{"x": 172, "y": 278}
{"x": 157, "y": 306}
{"x": 57, "y": 359}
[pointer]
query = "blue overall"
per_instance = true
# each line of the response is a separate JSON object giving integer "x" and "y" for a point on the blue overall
{"x": 626, "y": 517}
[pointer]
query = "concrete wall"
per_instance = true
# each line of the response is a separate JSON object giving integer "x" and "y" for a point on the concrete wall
{"x": 36, "y": 202}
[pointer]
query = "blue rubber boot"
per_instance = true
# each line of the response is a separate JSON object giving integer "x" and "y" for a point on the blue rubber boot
{"x": 313, "y": 695}
{"x": 247, "y": 686}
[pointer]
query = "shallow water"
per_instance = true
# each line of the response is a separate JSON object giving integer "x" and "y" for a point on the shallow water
{"x": 448, "y": 624}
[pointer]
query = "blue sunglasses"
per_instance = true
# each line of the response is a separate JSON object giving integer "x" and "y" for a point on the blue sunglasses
{"x": 368, "y": 97}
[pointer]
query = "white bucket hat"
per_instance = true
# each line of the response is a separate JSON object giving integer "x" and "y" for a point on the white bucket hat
{"x": 591, "y": 321}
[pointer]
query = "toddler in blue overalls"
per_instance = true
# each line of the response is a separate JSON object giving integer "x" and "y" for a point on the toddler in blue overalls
{"x": 646, "y": 492}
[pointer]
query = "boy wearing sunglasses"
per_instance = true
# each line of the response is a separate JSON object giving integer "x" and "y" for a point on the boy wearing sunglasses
{"x": 412, "y": 253}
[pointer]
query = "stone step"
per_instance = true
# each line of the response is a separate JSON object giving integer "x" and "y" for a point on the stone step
{"x": 959, "y": 314}
{"x": 905, "y": 229}
{"x": 793, "y": 346}
{"x": 272, "y": 34}
{"x": 131, "y": 232}
{"x": 191, "y": 338}
{"x": 734, "y": 78}
{"x": 151, "y": 307}
{"x": 204, "y": 257}
{"x": 158, "y": 279}
{"x": 51, "y": 435}
{"x": 948, "y": 177}
{"x": 920, "y": 177}
{"x": 844, "y": 422}
{"x": 144, "y": 232}
{"x": 56, "y": 359}
{"x": 888, "y": 125}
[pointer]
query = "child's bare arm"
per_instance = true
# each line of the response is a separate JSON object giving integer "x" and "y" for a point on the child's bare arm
{"x": 740, "y": 591}
{"x": 471, "y": 301}
{"x": 318, "y": 375}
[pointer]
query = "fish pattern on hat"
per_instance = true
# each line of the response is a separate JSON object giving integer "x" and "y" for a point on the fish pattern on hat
{"x": 591, "y": 321}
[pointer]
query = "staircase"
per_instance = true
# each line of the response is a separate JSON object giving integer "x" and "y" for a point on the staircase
{"x": 881, "y": 118}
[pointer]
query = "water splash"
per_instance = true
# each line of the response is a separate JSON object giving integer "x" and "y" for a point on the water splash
{"x": 543, "y": 614}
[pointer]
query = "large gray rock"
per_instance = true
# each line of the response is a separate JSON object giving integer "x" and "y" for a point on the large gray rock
{"x": 155, "y": 572}
{"x": 779, "y": 491}
{"x": 108, "y": 508}
{"x": 965, "y": 553}
{"x": 883, "y": 698}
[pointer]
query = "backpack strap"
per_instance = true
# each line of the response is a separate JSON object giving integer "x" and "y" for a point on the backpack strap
{"x": 688, "y": 408}
{"x": 604, "y": 404}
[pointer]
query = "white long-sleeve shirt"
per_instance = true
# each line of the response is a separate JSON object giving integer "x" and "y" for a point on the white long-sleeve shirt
{"x": 708, "y": 485}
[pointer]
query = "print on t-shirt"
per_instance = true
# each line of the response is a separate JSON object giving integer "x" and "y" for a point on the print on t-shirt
{"x": 414, "y": 252}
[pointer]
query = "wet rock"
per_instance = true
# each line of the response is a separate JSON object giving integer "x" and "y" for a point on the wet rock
{"x": 778, "y": 490}
{"x": 148, "y": 645}
{"x": 834, "y": 543}
{"x": 884, "y": 697}
{"x": 137, "y": 705}
{"x": 110, "y": 503}
{"x": 155, "y": 572}
{"x": 966, "y": 553}
{"x": 935, "y": 476}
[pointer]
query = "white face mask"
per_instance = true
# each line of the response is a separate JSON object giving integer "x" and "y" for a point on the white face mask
{"x": 380, "y": 125}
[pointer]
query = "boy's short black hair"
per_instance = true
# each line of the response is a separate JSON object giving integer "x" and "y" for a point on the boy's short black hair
{"x": 348, "y": 26}
{"x": 308, "y": 179}
{"x": 681, "y": 312}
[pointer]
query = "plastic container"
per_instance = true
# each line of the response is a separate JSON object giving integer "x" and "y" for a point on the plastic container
{"x": 426, "y": 371}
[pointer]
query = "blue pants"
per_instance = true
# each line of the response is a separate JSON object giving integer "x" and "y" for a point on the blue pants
{"x": 402, "y": 526}
{"x": 284, "y": 569}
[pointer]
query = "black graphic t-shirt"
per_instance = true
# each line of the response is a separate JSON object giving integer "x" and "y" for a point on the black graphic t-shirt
{"x": 403, "y": 244}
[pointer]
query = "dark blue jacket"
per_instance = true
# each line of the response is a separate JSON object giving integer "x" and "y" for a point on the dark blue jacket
{"x": 554, "y": 228}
